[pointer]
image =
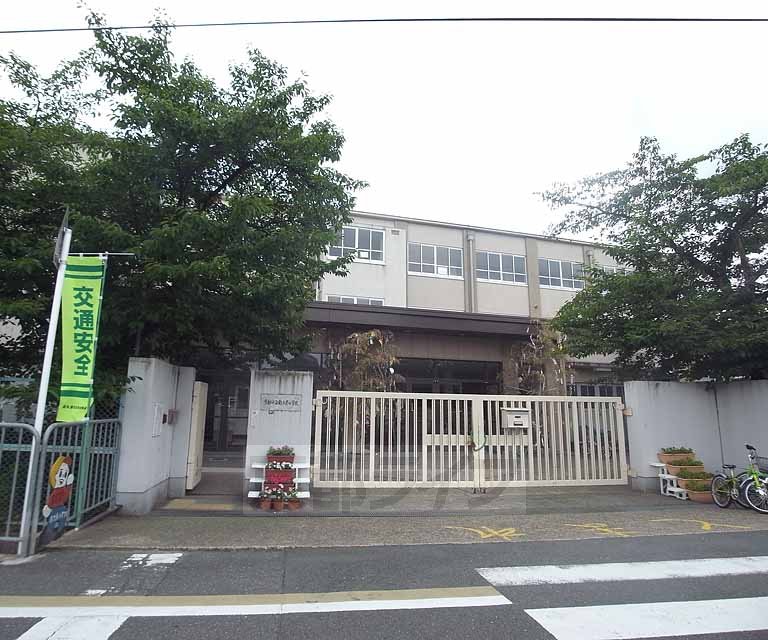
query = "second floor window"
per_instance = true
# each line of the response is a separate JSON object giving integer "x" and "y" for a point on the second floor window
{"x": 501, "y": 267}
{"x": 428, "y": 259}
{"x": 561, "y": 274}
{"x": 374, "y": 302}
{"x": 613, "y": 270}
{"x": 366, "y": 244}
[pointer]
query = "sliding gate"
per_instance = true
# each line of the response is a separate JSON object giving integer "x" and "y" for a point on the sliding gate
{"x": 366, "y": 439}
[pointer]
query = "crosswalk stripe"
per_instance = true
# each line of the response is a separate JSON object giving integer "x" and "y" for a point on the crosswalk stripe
{"x": 74, "y": 628}
{"x": 654, "y": 620}
{"x": 621, "y": 571}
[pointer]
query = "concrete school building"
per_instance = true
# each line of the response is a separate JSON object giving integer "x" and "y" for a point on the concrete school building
{"x": 459, "y": 299}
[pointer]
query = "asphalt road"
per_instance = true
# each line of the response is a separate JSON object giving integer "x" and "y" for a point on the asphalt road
{"x": 431, "y": 591}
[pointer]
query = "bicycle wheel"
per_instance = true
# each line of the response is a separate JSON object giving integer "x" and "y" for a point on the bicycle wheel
{"x": 756, "y": 493}
{"x": 738, "y": 494}
{"x": 721, "y": 490}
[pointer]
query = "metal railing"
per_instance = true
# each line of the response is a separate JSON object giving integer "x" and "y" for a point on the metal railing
{"x": 19, "y": 452}
{"x": 93, "y": 447}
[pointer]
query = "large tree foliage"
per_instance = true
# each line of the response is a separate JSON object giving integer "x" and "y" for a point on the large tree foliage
{"x": 227, "y": 196}
{"x": 694, "y": 233}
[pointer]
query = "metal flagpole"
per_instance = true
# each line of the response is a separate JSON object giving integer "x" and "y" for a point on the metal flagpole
{"x": 42, "y": 394}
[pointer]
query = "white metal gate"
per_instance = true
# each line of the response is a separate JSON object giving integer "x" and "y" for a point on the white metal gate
{"x": 367, "y": 439}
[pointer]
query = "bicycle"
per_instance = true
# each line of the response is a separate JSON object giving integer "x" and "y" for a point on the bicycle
{"x": 726, "y": 487}
{"x": 754, "y": 488}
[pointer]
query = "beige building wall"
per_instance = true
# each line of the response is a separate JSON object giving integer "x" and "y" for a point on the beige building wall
{"x": 502, "y": 299}
{"x": 370, "y": 280}
{"x": 426, "y": 292}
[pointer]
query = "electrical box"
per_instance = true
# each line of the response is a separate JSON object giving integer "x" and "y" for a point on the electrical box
{"x": 515, "y": 418}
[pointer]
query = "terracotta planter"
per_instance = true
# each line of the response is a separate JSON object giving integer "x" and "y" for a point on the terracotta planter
{"x": 281, "y": 459}
{"x": 668, "y": 457}
{"x": 674, "y": 470}
{"x": 293, "y": 505}
{"x": 700, "y": 496}
{"x": 278, "y": 505}
{"x": 265, "y": 504}
{"x": 279, "y": 476}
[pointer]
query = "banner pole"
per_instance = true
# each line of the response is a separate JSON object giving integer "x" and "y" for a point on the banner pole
{"x": 27, "y": 535}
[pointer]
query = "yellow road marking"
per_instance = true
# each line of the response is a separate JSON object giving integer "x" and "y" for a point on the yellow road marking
{"x": 602, "y": 527}
{"x": 486, "y": 532}
{"x": 705, "y": 525}
{"x": 248, "y": 599}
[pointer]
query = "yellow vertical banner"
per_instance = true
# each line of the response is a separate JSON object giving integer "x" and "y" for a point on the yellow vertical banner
{"x": 80, "y": 310}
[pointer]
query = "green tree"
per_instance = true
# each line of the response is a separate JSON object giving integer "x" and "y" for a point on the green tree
{"x": 227, "y": 196}
{"x": 694, "y": 234}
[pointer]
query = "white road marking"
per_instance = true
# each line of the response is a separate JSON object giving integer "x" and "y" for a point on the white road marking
{"x": 170, "y": 611}
{"x": 155, "y": 559}
{"x": 94, "y": 592}
{"x": 620, "y": 571}
{"x": 98, "y": 627}
{"x": 654, "y": 620}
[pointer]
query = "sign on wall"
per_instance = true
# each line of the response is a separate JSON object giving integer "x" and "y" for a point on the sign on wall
{"x": 278, "y": 402}
{"x": 80, "y": 310}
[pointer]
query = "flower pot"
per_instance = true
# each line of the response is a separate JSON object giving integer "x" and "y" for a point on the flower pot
{"x": 265, "y": 504}
{"x": 700, "y": 496}
{"x": 668, "y": 457}
{"x": 278, "y": 476}
{"x": 281, "y": 459}
{"x": 293, "y": 505}
{"x": 674, "y": 469}
{"x": 683, "y": 482}
{"x": 278, "y": 505}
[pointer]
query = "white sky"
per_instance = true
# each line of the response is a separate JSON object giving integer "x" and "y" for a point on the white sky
{"x": 464, "y": 122}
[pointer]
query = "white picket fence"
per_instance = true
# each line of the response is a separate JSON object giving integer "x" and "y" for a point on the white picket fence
{"x": 367, "y": 439}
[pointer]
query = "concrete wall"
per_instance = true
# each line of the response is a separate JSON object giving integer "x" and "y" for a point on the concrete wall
{"x": 280, "y": 413}
{"x": 686, "y": 414}
{"x": 368, "y": 280}
{"x": 429, "y": 292}
{"x": 153, "y": 454}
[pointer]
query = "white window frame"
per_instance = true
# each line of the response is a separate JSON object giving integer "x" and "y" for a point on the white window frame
{"x": 434, "y": 248}
{"x": 355, "y": 300}
{"x": 562, "y": 287}
{"x": 501, "y": 271}
{"x": 356, "y": 249}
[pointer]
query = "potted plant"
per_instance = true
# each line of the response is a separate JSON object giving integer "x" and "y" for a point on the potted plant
{"x": 673, "y": 453}
{"x": 691, "y": 464}
{"x": 292, "y": 500}
{"x": 278, "y": 497}
{"x": 265, "y": 500}
{"x": 699, "y": 491}
{"x": 280, "y": 454}
{"x": 684, "y": 476}
{"x": 278, "y": 472}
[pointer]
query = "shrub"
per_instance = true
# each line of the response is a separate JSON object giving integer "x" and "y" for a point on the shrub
{"x": 285, "y": 450}
{"x": 686, "y": 462}
{"x": 698, "y": 485}
{"x": 676, "y": 450}
{"x": 686, "y": 474}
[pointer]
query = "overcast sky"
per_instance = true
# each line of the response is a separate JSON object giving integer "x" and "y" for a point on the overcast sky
{"x": 464, "y": 122}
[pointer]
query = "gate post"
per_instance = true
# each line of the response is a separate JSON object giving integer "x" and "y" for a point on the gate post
{"x": 478, "y": 429}
{"x": 83, "y": 472}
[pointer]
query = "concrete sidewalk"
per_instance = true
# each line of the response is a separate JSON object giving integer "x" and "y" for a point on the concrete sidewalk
{"x": 432, "y": 502}
{"x": 539, "y": 515}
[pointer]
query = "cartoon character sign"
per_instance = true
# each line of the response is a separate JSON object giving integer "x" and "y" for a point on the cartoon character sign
{"x": 56, "y": 509}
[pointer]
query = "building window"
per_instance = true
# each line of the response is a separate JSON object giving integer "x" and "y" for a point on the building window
{"x": 500, "y": 267}
{"x": 366, "y": 244}
{"x": 428, "y": 259}
{"x": 561, "y": 274}
{"x": 373, "y": 302}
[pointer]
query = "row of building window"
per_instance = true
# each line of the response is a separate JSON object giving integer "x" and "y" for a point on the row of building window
{"x": 373, "y": 302}
{"x": 448, "y": 262}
